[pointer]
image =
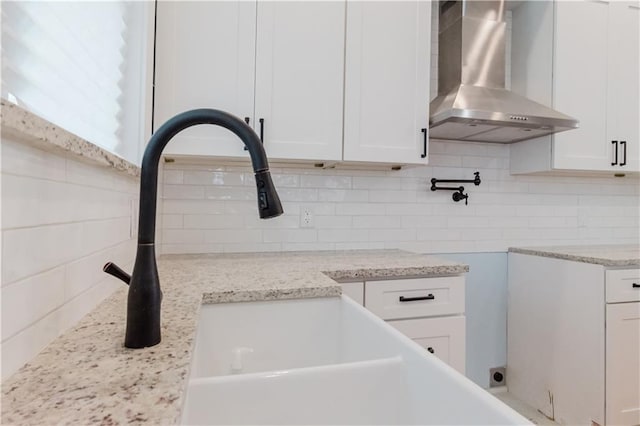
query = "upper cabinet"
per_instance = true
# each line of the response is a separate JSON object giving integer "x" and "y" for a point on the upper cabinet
{"x": 583, "y": 57}
{"x": 205, "y": 58}
{"x": 386, "y": 103}
{"x": 299, "y": 79}
{"x": 318, "y": 81}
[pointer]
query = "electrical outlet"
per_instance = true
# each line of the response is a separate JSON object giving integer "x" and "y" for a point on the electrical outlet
{"x": 497, "y": 376}
{"x": 306, "y": 219}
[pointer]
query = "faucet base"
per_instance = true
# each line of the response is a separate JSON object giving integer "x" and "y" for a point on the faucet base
{"x": 144, "y": 300}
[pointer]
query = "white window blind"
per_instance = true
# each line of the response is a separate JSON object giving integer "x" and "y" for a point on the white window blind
{"x": 80, "y": 65}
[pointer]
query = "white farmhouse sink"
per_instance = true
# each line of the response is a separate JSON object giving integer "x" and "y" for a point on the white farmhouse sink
{"x": 323, "y": 361}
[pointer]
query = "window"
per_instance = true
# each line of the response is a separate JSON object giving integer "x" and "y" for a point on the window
{"x": 80, "y": 65}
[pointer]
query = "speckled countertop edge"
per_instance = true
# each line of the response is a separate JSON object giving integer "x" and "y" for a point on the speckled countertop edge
{"x": 86, "y": 376}
{"x": 605, "y": 255}
{"x": 27, "y": 127}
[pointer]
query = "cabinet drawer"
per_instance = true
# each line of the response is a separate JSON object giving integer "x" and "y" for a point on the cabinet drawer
{"x": 442, "y": 337}
{"x": 623, "y": 285}
{"x": 414, "y": 298}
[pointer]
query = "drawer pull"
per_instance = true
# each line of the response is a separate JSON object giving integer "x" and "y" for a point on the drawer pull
{"x": 430, "y": 349}
{"x": 413, "y": 299}
{"x": 635, "y": 285}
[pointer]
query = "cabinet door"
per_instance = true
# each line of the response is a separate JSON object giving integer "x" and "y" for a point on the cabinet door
{"x": 299, "y": 79}
{"x": 580, "y": 85}
{"x": 623, "y": 364}
{"x": 443, "y": 337}
{"x": 624, "y": 83}
{"x": 387, "y": 81}
{"x": 205, "y": 54}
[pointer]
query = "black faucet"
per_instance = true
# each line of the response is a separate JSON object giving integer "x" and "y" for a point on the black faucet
{"x": 143, "y": 304}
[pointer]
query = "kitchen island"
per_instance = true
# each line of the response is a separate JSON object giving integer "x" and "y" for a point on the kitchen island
{"x": 87, "y": 376}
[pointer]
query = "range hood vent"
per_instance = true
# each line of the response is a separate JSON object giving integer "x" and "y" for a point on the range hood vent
{"x": 472, "y": 102}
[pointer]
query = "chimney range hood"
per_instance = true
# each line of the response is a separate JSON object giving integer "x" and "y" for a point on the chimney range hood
{"x": 472, "y": 102}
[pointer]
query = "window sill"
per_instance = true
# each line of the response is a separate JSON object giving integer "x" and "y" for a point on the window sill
{"x": 29, "y": 128}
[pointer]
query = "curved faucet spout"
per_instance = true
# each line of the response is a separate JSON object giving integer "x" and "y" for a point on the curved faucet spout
{"x": 143, "y": 304}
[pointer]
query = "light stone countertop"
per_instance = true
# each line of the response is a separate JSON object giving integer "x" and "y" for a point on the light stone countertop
{"x": 86, "y": 376}
{"x": 605, "y": 255}
{"x": 27, "y": 127}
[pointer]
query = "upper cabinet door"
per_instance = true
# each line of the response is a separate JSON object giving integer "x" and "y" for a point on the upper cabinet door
{"x": 387, "y": 81}
{"x": 299, "y": 79}
{"x": 205, "y": 53}
{"x": 624, "y": 87}
{"x": 580, "y": 85}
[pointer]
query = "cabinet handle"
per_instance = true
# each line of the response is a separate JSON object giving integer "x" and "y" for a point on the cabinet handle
{"x": 430, "y": 349}
{"x": 424, "y": 146}
{"x": 635, "y": 285}
{"x": 615, "y": 150}
{"x": 262, "y": 130}
{"x": 623, "y": 144}
{"x": 246, "y": 120}
{"x": 413, "y": 299}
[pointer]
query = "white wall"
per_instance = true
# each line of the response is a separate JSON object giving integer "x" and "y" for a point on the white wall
{"x": 61, "y": 221}
{"x": 213, "y": 209}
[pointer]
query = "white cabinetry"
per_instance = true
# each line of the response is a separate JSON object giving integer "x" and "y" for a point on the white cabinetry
{"x": 430, "y": 311}
{"x": 387, "y": 82}
{"x": 281, "y": 66}
{"x": 585, "y": 53}
{"x": 299, "y": 79}
{"x": 573, "y": 338}
{"x": 205, "y": 58}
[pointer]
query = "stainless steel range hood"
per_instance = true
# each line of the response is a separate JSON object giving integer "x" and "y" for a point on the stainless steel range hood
{"x": 472, "y": 102}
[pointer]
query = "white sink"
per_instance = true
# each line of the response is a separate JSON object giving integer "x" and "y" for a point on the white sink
{"x": 323, "y": 361}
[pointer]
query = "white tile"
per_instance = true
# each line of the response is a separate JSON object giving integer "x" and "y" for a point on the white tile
{"x": 182, "y": 236}
{"x": 172, "y": 221}
{"x": 333, "y": 222}
{"x": 342, "y": 195}
{"x": 290, "y": 235}
{"x": 377, "y": 222}
{"x": 343, "y": 235}
{"x": 24, "y": 160}
{"x": 201, "y": 221}
{"x": 206, "y": 177}
{"x": 28, "y": 251}
{"x": 194, "y": 207}
{"x": 173, "y": 177}
{"x": 325, "y": 181}
{"x": 26, "y": 301}
{"x": 232, "y": 236}
{"x": 182, "y": 192}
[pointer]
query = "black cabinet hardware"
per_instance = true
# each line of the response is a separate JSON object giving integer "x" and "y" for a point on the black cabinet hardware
{"x": 246, "y": 120}
{"x": 262, "y": 130}
{"x": 424, "y": 147}
{"x": 623, "y": 144}
{"x": 615, "y": 150}
{"x": 635, "y": 285}
{"x": 430, "y": 349}
{"x": 413, "y": 299}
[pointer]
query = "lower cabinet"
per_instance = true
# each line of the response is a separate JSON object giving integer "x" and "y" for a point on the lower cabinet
{"x": 573, "y": 341}
{"x": 428, "y": 310}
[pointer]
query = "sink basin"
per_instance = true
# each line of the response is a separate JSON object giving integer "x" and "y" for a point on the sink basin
{"x": 323, "y": 361}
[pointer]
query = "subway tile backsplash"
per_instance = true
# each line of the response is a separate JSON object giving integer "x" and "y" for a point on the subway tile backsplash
{"x": 396, "y": 209}
{"x": 62, "y": 220}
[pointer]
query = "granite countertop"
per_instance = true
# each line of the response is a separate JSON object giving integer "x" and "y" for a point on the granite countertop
{"x": 86, "y": 376}
{"x": 27, "y": 127}
{"x": 605, "y": 255}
